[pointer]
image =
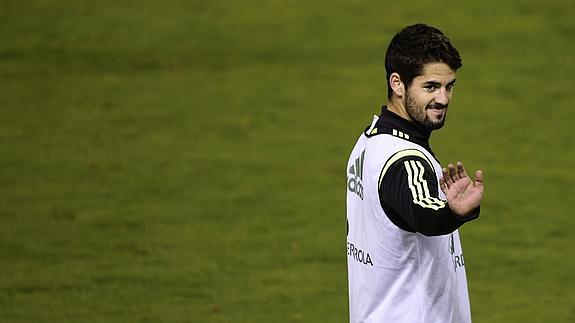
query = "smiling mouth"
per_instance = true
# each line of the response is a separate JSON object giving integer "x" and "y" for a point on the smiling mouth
{"x": 437, "y": 112}
{"x": 437, "y": 108}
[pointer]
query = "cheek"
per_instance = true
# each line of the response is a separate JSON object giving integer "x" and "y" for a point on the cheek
{"x": 420, "y": 98}
{"x": 424, "y": 100}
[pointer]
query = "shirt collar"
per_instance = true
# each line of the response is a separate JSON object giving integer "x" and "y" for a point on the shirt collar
{"x": 391, "y": 123}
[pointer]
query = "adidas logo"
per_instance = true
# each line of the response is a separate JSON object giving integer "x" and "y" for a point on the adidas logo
{"x": 355, "y": 176}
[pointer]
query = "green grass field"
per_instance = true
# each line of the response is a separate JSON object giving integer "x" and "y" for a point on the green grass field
{"x": 184, "y": 161}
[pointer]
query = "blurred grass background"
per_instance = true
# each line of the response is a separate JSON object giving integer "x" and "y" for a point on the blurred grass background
{"x": 184, "y": 161}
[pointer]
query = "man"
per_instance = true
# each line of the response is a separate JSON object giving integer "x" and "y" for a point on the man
{"x": 405, "y": 262}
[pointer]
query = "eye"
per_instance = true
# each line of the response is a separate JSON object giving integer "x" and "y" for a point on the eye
{"x": 430, "y": 87}
{"x": 449, "y": 87}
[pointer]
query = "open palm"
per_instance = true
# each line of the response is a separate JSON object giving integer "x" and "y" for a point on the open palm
{"x": 463, "y": 194}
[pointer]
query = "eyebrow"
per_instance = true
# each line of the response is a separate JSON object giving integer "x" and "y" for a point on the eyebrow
{"x": 435, "y": 83}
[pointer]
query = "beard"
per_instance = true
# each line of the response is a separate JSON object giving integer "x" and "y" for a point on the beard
{"x": 420, "y": 114}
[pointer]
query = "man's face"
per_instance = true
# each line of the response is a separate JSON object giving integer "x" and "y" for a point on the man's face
{"x": 428, "y": 96}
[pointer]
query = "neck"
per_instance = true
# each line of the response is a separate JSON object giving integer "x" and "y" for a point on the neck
{"x": 396, "y": 106}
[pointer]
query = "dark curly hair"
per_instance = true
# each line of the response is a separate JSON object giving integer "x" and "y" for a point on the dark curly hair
{"x": 415, "y": 46}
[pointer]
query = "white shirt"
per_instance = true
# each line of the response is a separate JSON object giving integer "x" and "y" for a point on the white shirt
{"x": 395, "y": 275}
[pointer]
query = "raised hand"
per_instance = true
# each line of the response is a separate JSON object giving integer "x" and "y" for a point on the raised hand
{"x": 463, "y": 194}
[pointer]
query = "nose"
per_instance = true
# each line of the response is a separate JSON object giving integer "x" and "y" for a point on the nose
{"x": 442, "y": 97}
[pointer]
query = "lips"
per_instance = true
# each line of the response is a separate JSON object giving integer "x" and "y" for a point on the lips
{"x": 437, "y": 112}
{"x": 437, "y": 107}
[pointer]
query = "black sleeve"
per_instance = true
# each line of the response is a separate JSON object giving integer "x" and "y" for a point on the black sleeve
{"x": 408, "y": 193}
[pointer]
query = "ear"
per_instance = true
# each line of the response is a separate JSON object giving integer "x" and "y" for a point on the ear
{"x": 396, "y": 85}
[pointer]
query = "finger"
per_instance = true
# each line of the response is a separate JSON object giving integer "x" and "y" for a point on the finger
{"x": 461, "y": 170}
{"x": 446, "y": 177}
{"x": 453, "y": 172}
{"x": 479, "y": 178}
{"x": 442, "y": 184}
